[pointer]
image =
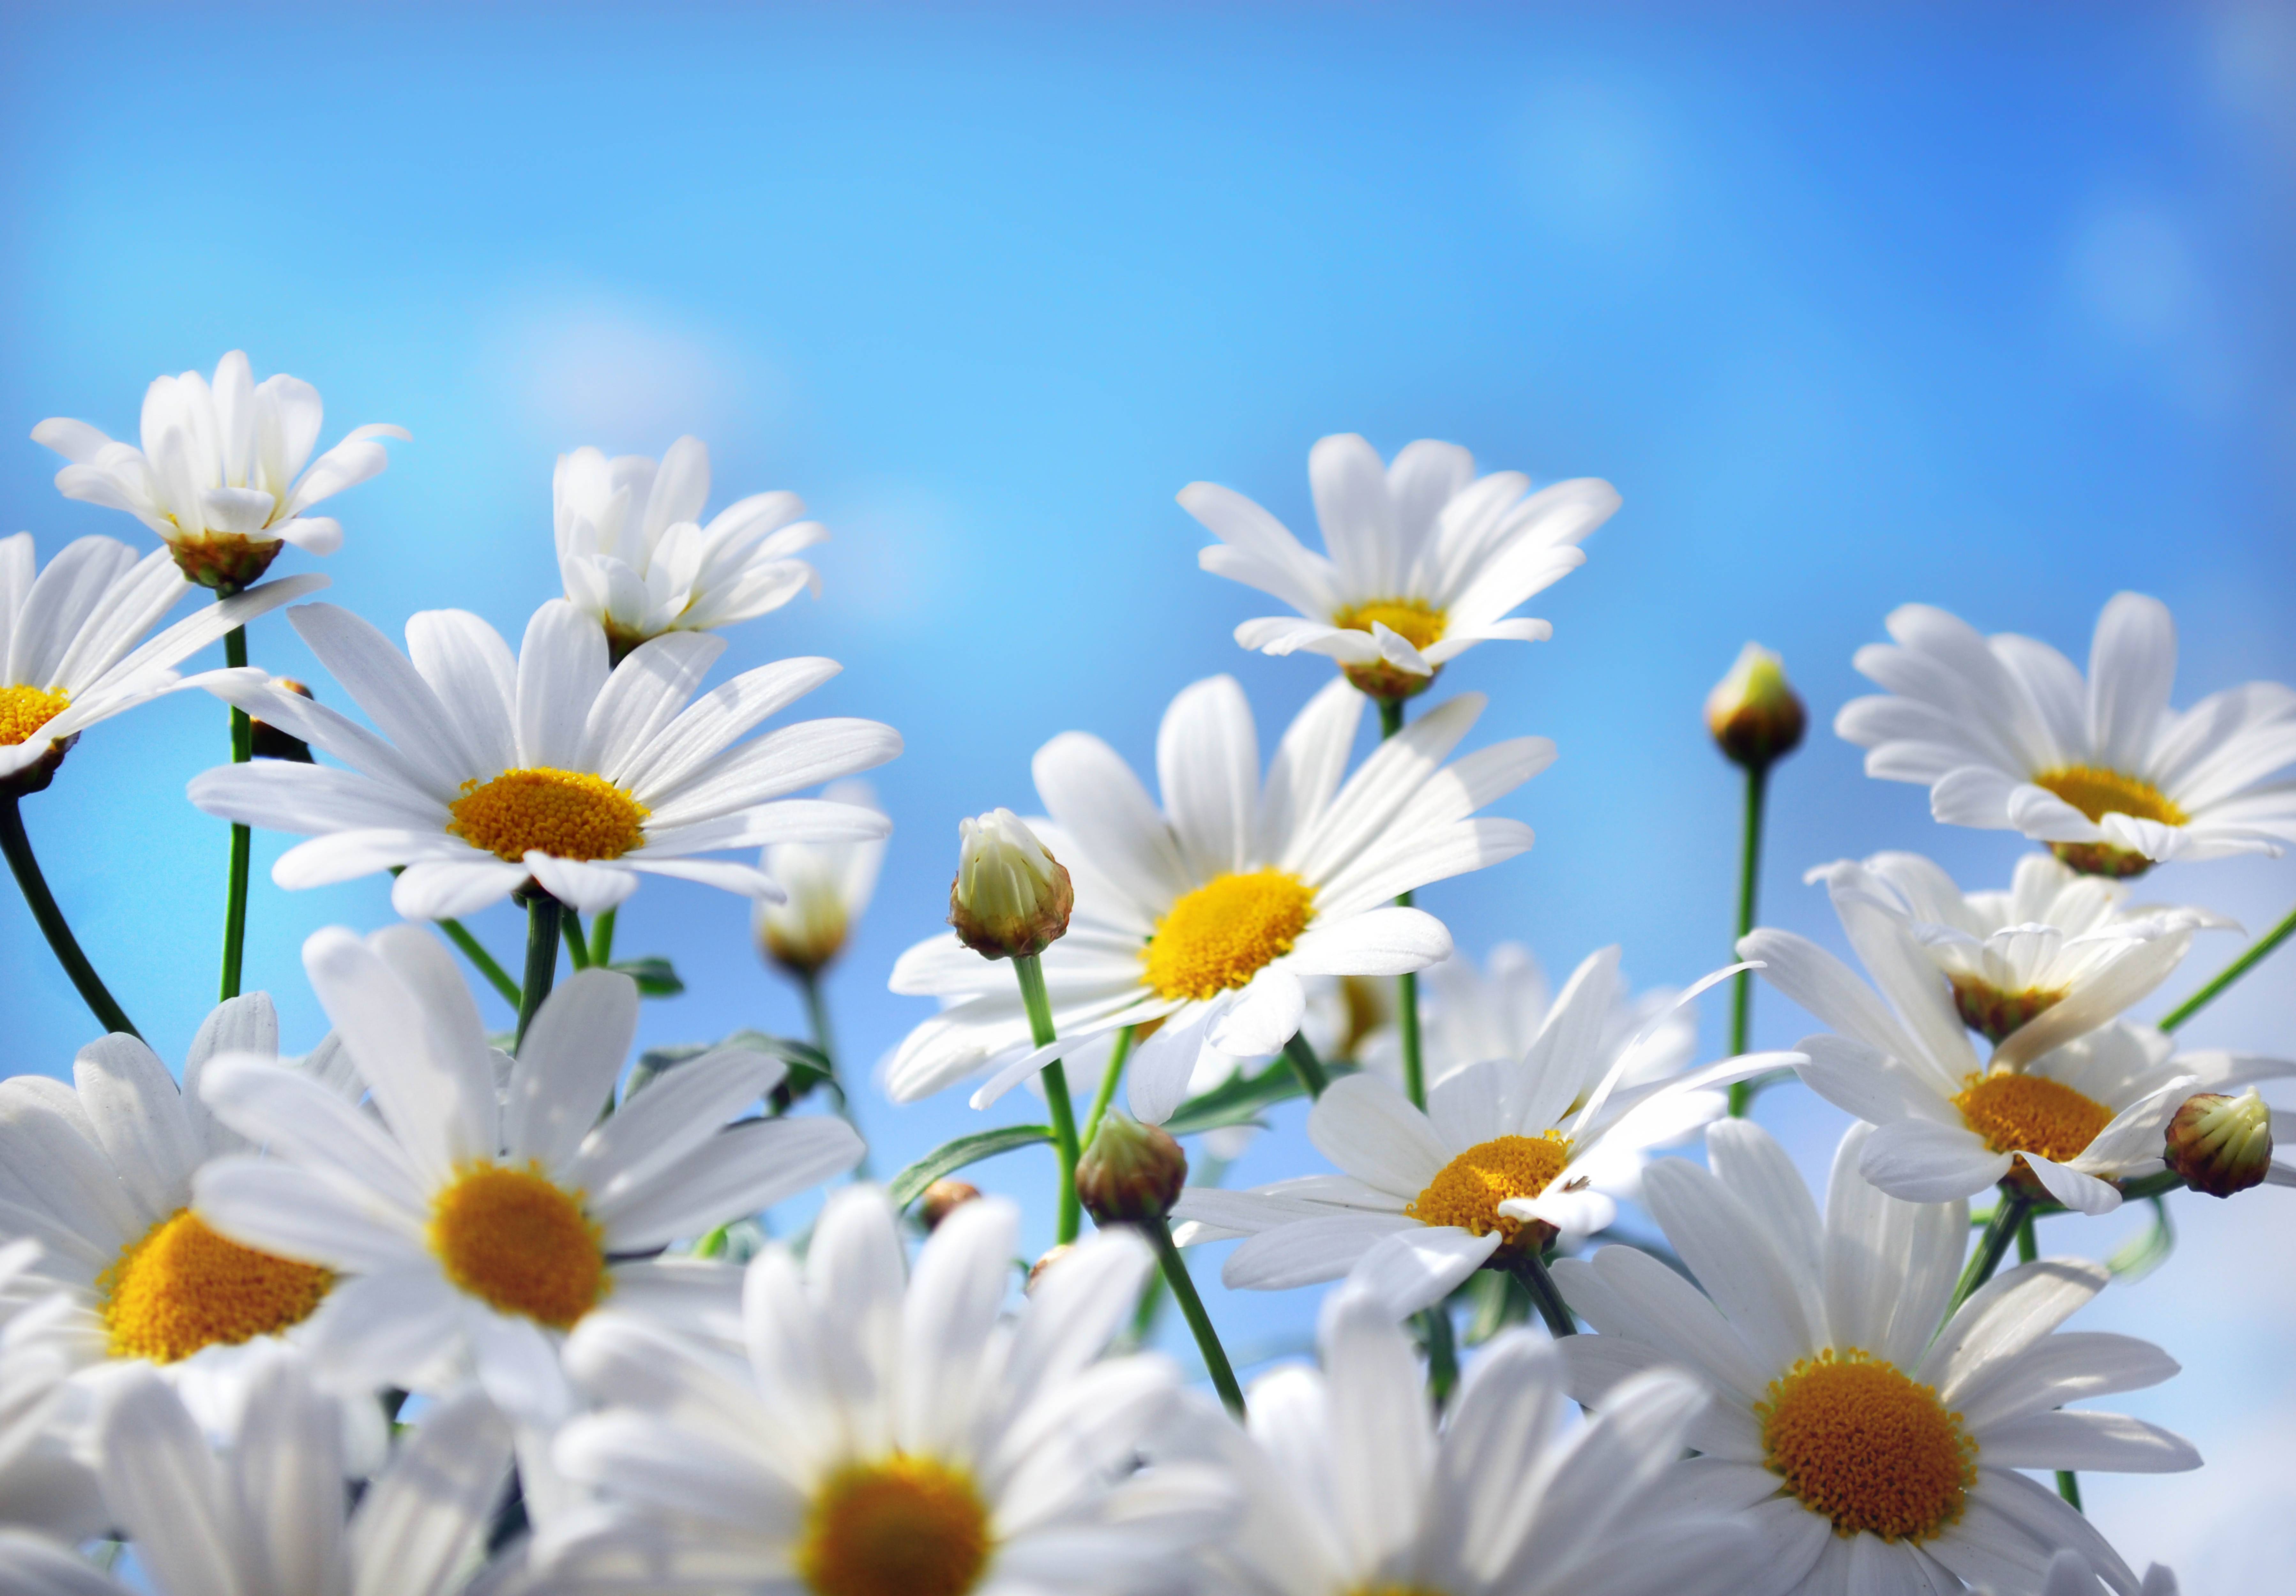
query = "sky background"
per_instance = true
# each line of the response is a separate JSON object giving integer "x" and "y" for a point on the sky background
{"x": 1980, "y": 306}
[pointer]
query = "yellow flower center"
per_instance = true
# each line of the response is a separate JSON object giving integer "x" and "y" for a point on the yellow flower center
{"x": 1413, "y": 621}
{"x": 2097, "y": 793}
{"x": 1224, "y": 932}
{"x": 567, "y": 813}
{"x": 1993, "y": 1013}
{"x": 902, "y": 1527}
{"x": 1859, "y": 1442}
{"x": 1467, "y": 1191}
{"x": 181, "y": 1287}
{"x": 24, "y": 710}
{"x": 2029, "y": 1113}
{"x": 510, "y": 1236}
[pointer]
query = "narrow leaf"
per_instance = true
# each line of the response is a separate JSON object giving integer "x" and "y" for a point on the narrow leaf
{"x": 950, "y": 1156}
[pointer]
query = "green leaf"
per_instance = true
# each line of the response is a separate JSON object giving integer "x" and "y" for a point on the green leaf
{"x": 1240, "y": 1099}
{"x": 808, "y": 1069}
{"x": 1497, "y": 1300}
{"x": 653, "y": 975}
{"x": 950, "y": 1156}
{"x": 2147, "y": 1250}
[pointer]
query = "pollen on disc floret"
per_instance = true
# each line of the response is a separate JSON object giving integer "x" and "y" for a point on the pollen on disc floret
{"x": 523, "y": 1244}
{"x": 2030, "y": 1113}
{"x": 180, "y": 1287}
{"x": 1218, "y": 936}
{"x": 566, "y": 813}
{"x": 902, "y": 1526}
{"x": 1467, "y": 1191}
{"x": 1859, "y": 1442}
{"x": 24, "y": 710}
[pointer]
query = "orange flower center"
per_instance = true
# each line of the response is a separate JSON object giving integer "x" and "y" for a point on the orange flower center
{"x": 566, "y": 813}
{"x": 523, "y": 1245}
{"x": 902, "y": 1527}
{"x": 1218, "y": 936}
{"x": 2029, "y": 1113}
{"x": 1856, "y": 1441}
{"x": 181, "y": 1287}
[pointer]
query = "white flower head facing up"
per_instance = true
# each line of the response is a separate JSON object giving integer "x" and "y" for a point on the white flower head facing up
{"x": 2006, "y": 735}
{"x": 1871, "y": 1449}
{"x": 634, "y": 553}
{"x": 1207, "y": 913}
{"x": 890, "y": 1432}
{"x": 70, "y": 637}
{"x": 825, "y": 885}
{"x": 2069, "y": 1098}
{"x": 553, "y": 766}
{"x": 1351, "y": 1485}
{"x": 468, "y": 1230}
{"x": 1500, "y": 1163}
{"x": 217, "y": 474}
{"x": 1425, "y": 558}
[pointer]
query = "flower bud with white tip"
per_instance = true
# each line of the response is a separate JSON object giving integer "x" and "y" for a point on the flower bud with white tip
{"x": 1754, "y": 714}
{"x": 1132, "y": 1173}
{"x": 2221, "y": 1144}
{"x": 1011, "y": 898}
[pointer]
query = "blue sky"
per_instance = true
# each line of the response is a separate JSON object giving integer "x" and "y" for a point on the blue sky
{"x": 1987, "y": 310}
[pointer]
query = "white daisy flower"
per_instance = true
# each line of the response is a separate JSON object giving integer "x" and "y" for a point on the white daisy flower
{"x": 41, "y": 1482}
{"x": 69, "y": 637}
{"x": 2006, "y": 736}
{"x": 826, "y": 886}
{"x": 888, "y": 1440}
{"x": 491, "y": 771}
{"x": 270, "y": 1515}
{"x": 1206, "y": 914}
{"x": 1497, "y": 1166}
{"x": 1494, "y": 1011}
{"x": 216, "y": 476}
{"x": 1351, "y": 1485}
{"x": 1872, "y": 1450}
{"x": 1426, "y": 558}
{"x": 467, "y": 1230}
{"x": 633, "y": 555}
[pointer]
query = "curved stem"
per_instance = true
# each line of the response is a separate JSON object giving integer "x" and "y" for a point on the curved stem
{"x": 497, "y": 976}
{"x": 1750, "y": 872}
{"x": 1191, "y": 1308}
{"x": 1442, "y": 1354}
{"x": 541, "y": 959}
{"x": 1530, "y": 1269}
{"x": 243, "y": 841}
{"x": 601, "y": 939}
{"x": 17, "y": 846}
{"x": 1116, "y": 1054}
{"x": 2009, "y": 1216}
{"x": 1301, "y": 1054}
{"x": 569, "y": 931}
{"x": 2230, "y": 973}
{"x": 1039, "y": 1005}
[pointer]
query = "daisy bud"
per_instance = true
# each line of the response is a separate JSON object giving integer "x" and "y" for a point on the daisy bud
{"x": 2221, "y": 1144}
{"x": 944, "y": 1198}
{"x": 1046, "y": 1262}
{"x": 271, "y": 743}
{"x": 1011, "y": 899}
{"x": 1132, "y": 1173}
{"x": 1753, "y": 712}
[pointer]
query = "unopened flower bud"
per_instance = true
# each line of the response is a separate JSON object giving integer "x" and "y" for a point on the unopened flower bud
{"x": 1044, "y": 1264}
{"x": 944, "y": 1198}
{"x": 1011, "y": 899}
{"x": 1132, "y": 1173}
{"x": 2221, "y": 1144}
{"x": 269, "y": 742}
{"x": 1753, "y": 712}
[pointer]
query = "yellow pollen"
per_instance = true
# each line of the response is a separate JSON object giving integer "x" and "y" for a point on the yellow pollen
{"x": 1467, "y": 1191}
{"x": 1993, "y": 1013}
{"x": 1224, "y": 932}
{"x": 180, "y": 1287}
{"x": 24, "y": 710}
{"x": 526, "y": 1246}
{"x": 2097, "y": 793}
{"x": 2030, "y": 1113}
{"x": 1413, "y": 621}
{"x": 567, "y": 813}
{"x": 901, "y": 1526}
{"x": 1859, "y": 1442}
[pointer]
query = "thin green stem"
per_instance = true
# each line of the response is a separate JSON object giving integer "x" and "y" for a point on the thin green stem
{"x": 1750, "y": 875}
{"x": 51, "y": 919}
{"x": 541, "y": 959}
{"x": 1305, "y": 1064}
{"x": 1406, "y": 984}
{"x": 497, "y": 976}
{"x": 569, "y": 931}
{"x": 243, "y": 841}
{"x": 1442, "y": 1354}
{"x": 2029, "y": 1248}
{"x": 1191, "y": 1308}
{"x": 601, "y": 939}
{"x": 1116, "y": 1054}
{"x": 817, "y": 1013}
{"x": 2009, "y": 1215}
{"x": 1039, "y": 1005}
{"x": 2230, "y": 973}
{"x": 2069, "y": 1488}
{"x": 1530, "y": 1269}
{"x": 1390, "y": 717}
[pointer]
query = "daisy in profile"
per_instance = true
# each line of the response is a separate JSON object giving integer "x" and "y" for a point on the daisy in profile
{"x": 2005, "y": 736}
{"x": 1425, "y": 558}
{"x": 552, "y": 766}
{"x": 70, "y": 637}
{"x": 461, "y": 1229}
{"x": 1871, "y": 1449}
{"x": 218, "y": 476}
{"x": 826, "y": 886}
{"x": 1207, "y": 913}
{"x": 269, "y": 1515}
{"x": 890, "y": 1432}
{"x": 1350, "y": 1484}
{"x": 1498, "y": 1166}
{"x": 635, "y": 555}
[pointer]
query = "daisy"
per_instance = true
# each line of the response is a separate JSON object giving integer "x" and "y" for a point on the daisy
{"x": 635, "y": 555}
{"x": 216, "y": 474}
{"x": 2007, "y": 737}
{"x": 1206, "y": 914}
{"x": 1872, "y": 1450}
{"x": 888, "y": 1440}
{"x": 270, "y": 1514}
{"x": 464, "y": 1229}
{"x": 1492, "y": 1173}
{"x": 551, "y": 767}
{"x": 827, "y": 886}
{"x": 69, "y": 637}
{"x": 1350, "y": 1484}
{"x": 1426, "y": 558}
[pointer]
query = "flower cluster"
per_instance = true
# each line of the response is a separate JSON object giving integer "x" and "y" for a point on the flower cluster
{"x": 426, "y": 1309}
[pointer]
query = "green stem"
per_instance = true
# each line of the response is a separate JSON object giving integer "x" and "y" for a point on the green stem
{"x": 2009, "y": 1215}
{"x": 1039, "y": 1005}
{"x": 1530, "y": 1269}
{"x": 817, "y": 1013}
{"x": 541, "y": 959}
{"x": 2230, "y": 973}
{"x": 1442, "y": 1354}
{"x": 2029, "y": 1248}
{"x": 1116, "y": 1054}
{"x": 1390, "y": 717}
{"x": 1750, "y": 873}
{"x": 1406, "y": 986}
{"x": 497, "y": 976}
{"x": 601, "y": 939}
{"x": 569, "y": 931}
{"x": 52, "y": 922}
{"x": 1305, "y": 1064}
{"x": 2069, "y": 1488}
{"x": 243, "y": 841}
{"x": 1191, "y": 1308}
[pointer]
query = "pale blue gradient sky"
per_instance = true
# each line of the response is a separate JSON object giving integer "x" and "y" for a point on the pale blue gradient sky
{"x": 1922, "y": 303}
